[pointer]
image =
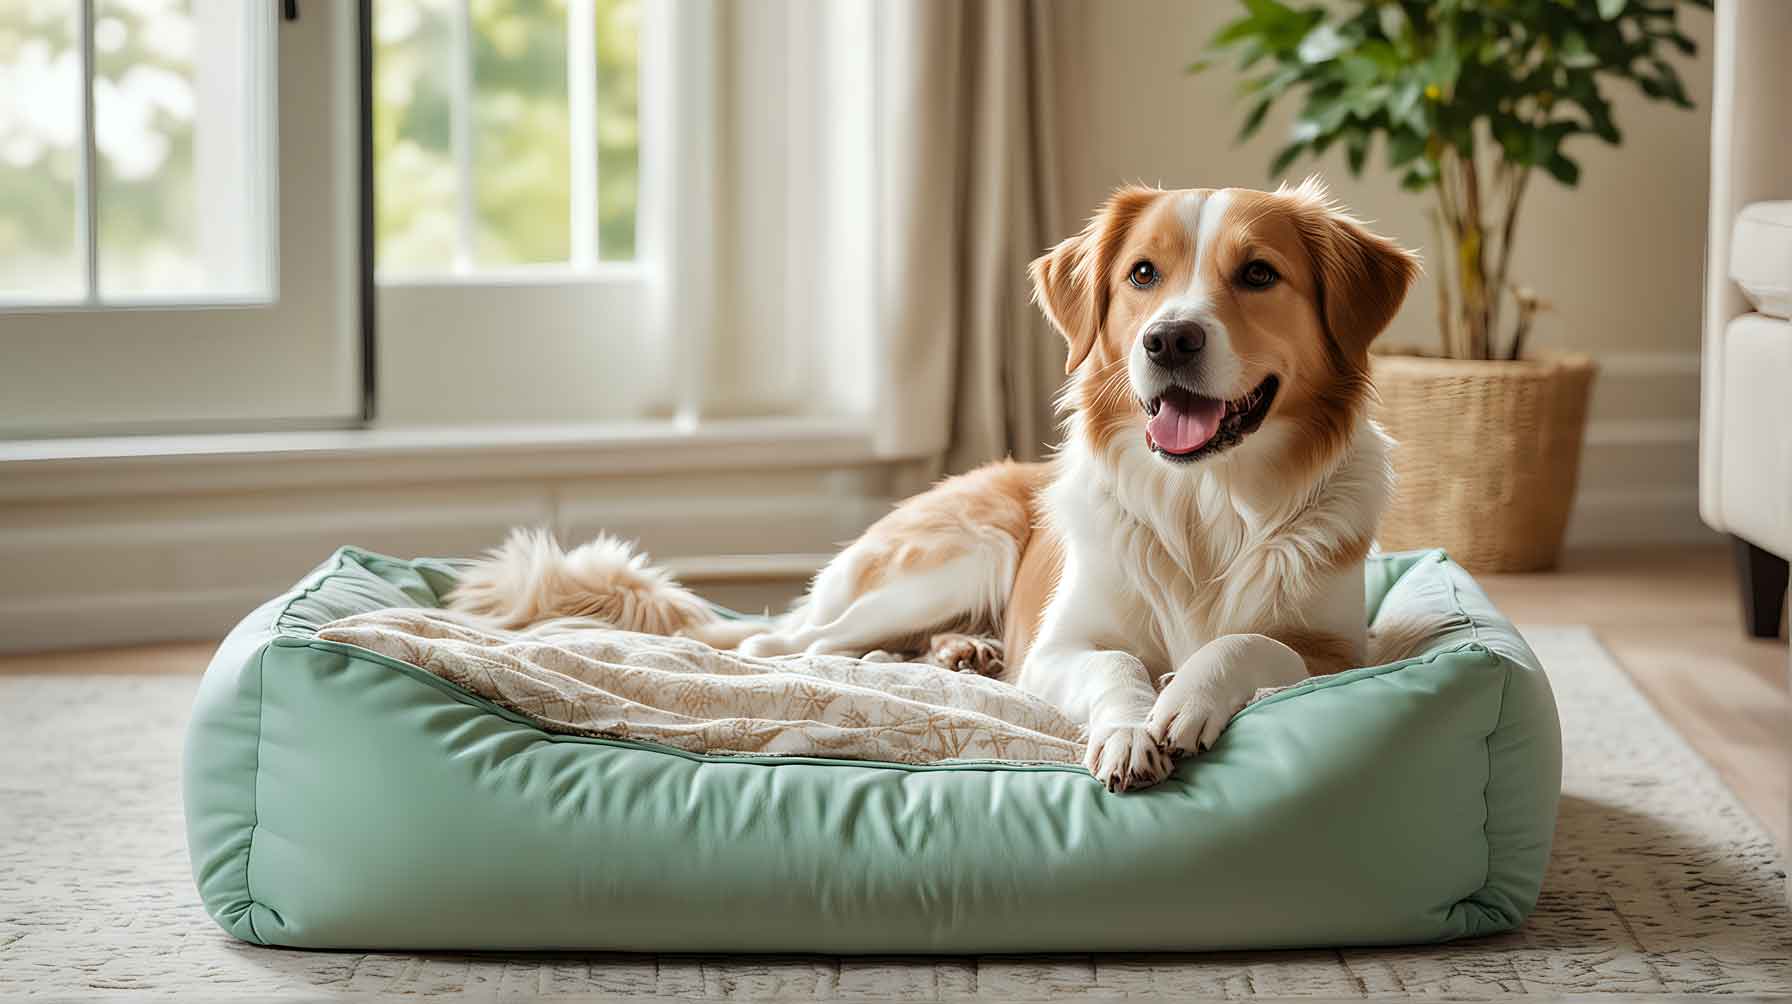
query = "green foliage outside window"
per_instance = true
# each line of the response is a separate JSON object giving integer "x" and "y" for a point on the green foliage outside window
{"x": 521, "y": 136}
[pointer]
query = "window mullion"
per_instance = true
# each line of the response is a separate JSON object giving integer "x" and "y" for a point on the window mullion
{"x": 88, "y": 211}
{"x": 461, "y": 135}
{"x": 581, "y": 106}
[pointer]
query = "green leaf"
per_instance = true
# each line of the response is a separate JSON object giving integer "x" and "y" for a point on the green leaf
{"x": 1422, "y": 176}
{"x": 1404, "y": 147}
{"x": 1445, "y": 66}
{"x": 1322, "y": 44}
{"x": 1563, "y": 170}
{"x": 1370, "y": 100}
{"x": 1403, "y": 105}
{"x": 1233, "y": 31}
{"x": 1356, "y": 150}
{"x": 1273, "y": 85}
{"x": 1392, "y": 21}
{"x": 1670, "y": 82}
{"x": 1574, "y": 52}
{"x": 1609, "y": 9}
{"x": 1269, "y": 11}
{"x": 1286, "y": 158}
{"x": 1513, "y": 137}
{"x": 1253, "y": 119}
{"x": 1540, "y": 147}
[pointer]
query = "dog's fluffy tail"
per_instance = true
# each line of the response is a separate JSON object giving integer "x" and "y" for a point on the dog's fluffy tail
{"x": 531, "y": 579}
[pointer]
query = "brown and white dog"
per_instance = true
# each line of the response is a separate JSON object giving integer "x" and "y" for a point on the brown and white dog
{"x": 1201, "y": 533}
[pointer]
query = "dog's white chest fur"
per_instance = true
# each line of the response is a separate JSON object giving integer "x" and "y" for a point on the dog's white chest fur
{"x": 1184, "y": 557}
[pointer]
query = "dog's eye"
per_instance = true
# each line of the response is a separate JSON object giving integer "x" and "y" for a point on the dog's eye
{"x": 1143, "y": 274}
{"x": 1258, "y": 275}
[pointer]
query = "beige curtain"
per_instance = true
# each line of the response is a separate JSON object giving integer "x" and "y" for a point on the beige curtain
{"x": 967, "y": 365}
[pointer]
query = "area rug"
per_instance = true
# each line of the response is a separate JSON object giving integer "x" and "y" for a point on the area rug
{"x": 1660, "y": 883}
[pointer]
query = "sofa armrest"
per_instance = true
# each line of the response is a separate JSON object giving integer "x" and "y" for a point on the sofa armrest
{"x": 1751, "y": 161}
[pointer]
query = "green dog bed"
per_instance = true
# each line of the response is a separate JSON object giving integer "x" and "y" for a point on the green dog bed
{"x": 336, "y": 798}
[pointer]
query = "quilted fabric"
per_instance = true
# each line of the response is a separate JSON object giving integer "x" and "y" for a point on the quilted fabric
{"x": 336, "y": 797}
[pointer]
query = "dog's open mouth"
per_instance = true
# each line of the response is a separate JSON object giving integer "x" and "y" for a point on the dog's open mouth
{"x": 1185, "y": 426}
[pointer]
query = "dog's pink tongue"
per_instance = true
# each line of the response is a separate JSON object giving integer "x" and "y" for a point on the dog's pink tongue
{"x": 1184, "y": 423}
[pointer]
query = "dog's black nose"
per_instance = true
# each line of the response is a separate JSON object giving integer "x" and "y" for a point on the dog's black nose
{"x": 1171, "y": 344}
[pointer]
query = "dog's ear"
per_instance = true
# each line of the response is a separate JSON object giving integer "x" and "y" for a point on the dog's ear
{"x": 1363, "y": 276}
{"x": 1070, "y": 282}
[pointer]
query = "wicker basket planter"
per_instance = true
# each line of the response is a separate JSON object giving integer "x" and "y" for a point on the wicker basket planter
{"x": 1488, "y": 455}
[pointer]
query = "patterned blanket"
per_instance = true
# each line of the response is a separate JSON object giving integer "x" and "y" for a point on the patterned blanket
{"x": 572, "y": 677}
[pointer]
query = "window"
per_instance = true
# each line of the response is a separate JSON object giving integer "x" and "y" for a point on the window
{"x": 505, "y": 133}
{"x": 115, "y": 115}
{"x": 185, "y": 242}
{"x": 180, "y": 220}
{"x": 514, "y": 225}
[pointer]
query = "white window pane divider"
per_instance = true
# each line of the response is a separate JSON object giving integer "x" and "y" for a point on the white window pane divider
{"x": 581, "y": 107}
{"x": 87, "y": 205}
{"x": 461, "y": 136}
{"x": 581, "y": 100}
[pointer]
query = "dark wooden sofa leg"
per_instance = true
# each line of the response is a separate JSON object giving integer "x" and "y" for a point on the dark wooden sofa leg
{"x": 1763, "y": 576}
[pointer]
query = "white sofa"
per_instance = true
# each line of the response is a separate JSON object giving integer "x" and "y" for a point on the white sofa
{"x": 1745, "y": 447}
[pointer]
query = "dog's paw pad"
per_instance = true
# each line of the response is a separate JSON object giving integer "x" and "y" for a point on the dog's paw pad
{"x": 1125, "y": 757}
{"x": 966, "y": 654}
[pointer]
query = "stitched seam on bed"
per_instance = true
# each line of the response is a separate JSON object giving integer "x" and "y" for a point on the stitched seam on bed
{"x": 1474, "y": 627}
{"x": 342, "y": 557}
{"x": 1344, "y": 679}
{"x": 1486, "y": 799}
{"x": 261, "y": 683}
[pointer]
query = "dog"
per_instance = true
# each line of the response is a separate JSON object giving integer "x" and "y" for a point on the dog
{"x": 1198, "y": 536}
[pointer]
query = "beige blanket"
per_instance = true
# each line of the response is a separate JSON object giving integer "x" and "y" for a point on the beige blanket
{"x": 592, "y": 681}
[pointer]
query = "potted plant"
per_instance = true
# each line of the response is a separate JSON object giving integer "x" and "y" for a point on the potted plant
{"x": 1472, "y": 98}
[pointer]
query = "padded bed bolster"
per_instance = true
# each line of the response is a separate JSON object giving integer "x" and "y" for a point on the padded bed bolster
{"x": 336, "y": 798}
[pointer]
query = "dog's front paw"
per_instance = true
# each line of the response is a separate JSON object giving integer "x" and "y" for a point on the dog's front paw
{"x": 1125, "y": 756}
{"x": 1200, "y": 698}
{"x": 1190, "y": 712}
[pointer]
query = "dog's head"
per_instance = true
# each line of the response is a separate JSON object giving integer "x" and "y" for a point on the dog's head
{"x": 1197, "y": 318}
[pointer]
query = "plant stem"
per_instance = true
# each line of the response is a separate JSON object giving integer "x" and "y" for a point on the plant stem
{"x": 1526, "y": 313}
{"x": 1503, "y": 180}
{"x": 1449, "y": 243}
{"x": 1446, "y": 315}
{"x": 1473, "y": 273}
{"x": 1507, "y": 229}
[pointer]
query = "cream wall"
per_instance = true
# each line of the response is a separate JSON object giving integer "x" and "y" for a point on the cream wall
{"x": 1622, "y": 256}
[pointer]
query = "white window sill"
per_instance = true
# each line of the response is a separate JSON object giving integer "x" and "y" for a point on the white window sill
{"x": 595, "y": 273}
{"x": 118, "y": 465}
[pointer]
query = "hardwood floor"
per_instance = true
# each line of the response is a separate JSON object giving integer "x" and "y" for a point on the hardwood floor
{"x": 1671, "y": 617}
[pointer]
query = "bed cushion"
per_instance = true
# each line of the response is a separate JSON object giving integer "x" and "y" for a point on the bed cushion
{"x": 336, "y": 798}
{"x": 1761, "y": 256}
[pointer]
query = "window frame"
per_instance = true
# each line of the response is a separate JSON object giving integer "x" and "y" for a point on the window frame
{"x": 637, "y": 310}
{"x": 264, "y": 199}
{"x": 584, "y": 259}
{"x": 317, "y": 304}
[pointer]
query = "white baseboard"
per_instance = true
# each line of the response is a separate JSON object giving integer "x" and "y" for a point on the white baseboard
{"x": 174, "y": 576}
{"x": 1609, "y": 519}
{"x": 100, "y": 550}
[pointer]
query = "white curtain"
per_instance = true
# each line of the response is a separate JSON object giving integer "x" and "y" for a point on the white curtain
{"x": 885, "y": 171}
